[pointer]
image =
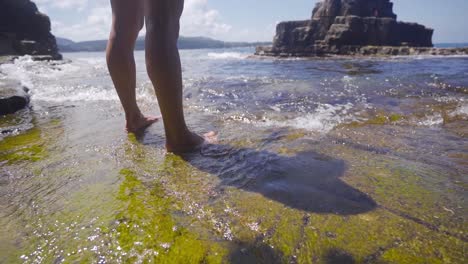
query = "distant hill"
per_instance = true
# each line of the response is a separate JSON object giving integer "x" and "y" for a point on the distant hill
{"x": 66, "y": 45}
{"x": 451, "y": 45}
{"x": 64, "y": 41}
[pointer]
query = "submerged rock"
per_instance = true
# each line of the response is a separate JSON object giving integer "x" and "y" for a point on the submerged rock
{"x": 25, "y": 31}
{"x": 353, "y": 27}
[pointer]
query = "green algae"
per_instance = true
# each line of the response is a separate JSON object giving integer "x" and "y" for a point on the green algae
{"x": 382, "y": 119}
{"x": 28, "y": 146}
{"x": 412, "y": 205}
{"x": 147, "y": 220}
{"x": 31, "y": 145}
{"x": 148, "y": 216}
{"x": 123, "y": 223}
{"x": 300, "y": 237}
{"x": 287, "y": 236}
{"x": 379, "y": 118}
{"x": 10, "y": 121}
{"x": 395, "y": 117}
{"x": 409, "y": 186}
{"x": 146, "y": 229}
{"x": 295, "y": 135}
{"x": 426, "y": 247}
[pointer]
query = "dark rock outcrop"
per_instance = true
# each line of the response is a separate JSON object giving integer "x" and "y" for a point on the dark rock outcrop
{"x": 12, "y": 99}
{"x": 25, "y": 31}
{"x": 345, "y": 27}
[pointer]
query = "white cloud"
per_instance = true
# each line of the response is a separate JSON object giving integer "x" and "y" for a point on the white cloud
{"x": 198, "y": 19}
{"x": 95, "y": 26}
{"x": 79, "y": 5}
{"x": 93, "y": 21}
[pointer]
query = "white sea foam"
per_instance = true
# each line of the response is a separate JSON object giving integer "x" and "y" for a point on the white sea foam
{"x": 227, "y": 55}
{"x": 17, "y": 71}
{"x": 325, "y": 118}
{"x": 74, "y": 94}
{"x": 29, "y": 72}
{"x": 432, "y": 121}
{"x": 58, "y": 82}
{"x": 96, "y": 63}
{"x": 429, "y": 56}
{"x": 462, "y": 110}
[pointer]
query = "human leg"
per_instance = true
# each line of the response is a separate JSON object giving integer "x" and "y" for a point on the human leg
{"x": 164, "y": 69}
{"x": 127, "y": 20}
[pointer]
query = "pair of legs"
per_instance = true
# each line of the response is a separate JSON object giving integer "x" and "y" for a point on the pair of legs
{"x": 162, "y": 62}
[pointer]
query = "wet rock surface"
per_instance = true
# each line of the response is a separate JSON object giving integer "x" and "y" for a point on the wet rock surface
{"x": 324, "y": 51}
{"x": 25, "y": 31}
{"x": 353, "y": 27}
{"x": 376, "y": 173}
{"x": 12, "y": 98}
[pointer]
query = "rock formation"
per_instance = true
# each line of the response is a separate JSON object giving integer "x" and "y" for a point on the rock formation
{"x": 24, "y": 30}
{"x": 344, "y": 27}
{"x": 12, "y": 98}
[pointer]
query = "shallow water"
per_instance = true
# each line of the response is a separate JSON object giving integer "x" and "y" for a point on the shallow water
{"x": 319, "y": 161}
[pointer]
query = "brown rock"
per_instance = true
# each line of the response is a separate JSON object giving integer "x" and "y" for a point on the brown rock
{"x": 346, "y": 27}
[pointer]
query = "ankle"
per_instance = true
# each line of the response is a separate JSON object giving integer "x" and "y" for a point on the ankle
{"x": 190, "y": 142}
{"x": 179, "y": 137}
{"x": 133, "y": 117}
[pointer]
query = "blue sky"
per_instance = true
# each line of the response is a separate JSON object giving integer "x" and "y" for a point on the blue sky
{"x": 247, "y": 20}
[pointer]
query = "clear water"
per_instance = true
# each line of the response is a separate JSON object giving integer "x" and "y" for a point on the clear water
{"x": 322, "y": 161}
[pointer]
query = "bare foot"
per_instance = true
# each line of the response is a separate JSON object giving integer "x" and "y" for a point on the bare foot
{"x": 140, "y": 123}
{"x": 192, "y": 142}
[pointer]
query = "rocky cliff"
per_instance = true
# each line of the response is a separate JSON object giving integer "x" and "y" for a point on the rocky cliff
{"x": 349, "y": 27}
{"x": 24, "y": 30}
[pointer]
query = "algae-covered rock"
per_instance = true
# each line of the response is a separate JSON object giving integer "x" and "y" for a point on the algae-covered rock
{"x": 364, "y": 193}
{"x": 27, "y": 146}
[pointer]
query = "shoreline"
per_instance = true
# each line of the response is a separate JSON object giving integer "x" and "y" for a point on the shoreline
{"x": 358, "y": 51}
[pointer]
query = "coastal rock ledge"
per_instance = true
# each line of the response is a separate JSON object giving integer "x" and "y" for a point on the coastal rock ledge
{"x": 353, "y": 27}
{"x": 26, "y": 31}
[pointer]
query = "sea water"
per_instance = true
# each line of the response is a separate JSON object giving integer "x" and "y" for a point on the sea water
{"x": 318, "y": 160}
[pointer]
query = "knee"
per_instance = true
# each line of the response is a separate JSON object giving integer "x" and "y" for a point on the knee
{"x": 123, "y": 35}
{"x": 126, "y": 30}
{"x": 163, "y": 27}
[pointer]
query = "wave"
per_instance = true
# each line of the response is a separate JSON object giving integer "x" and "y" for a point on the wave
{"x": 432, "y": 121}
{"x": 29, "y": 72}
{"x": 429, "y": 56}
{"x": 461, "y": 111}
{"x": 83, "y": 79}
{"x": 61, "y": 94}
{"x": 227, "y": 55}
{"x": 324, "y": 119}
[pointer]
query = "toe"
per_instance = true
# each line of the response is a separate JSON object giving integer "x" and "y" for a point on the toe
{"x": 153, "y": 119}
{"x": 211, "y": 137}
